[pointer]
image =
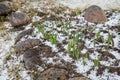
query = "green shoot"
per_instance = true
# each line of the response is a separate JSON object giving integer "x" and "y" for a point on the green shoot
{"x": 97, "y": 61}
{"x": 53, "y": 38}
{"x": 97, "y": 36}
{"x": 83, "y": 60}
{"x": 75, "y": 52}
{"x": 109, "y": 41}
{"x": 41, "y": 28}
{"x": 69, "y": 47}
{"x": 74, "y": 47}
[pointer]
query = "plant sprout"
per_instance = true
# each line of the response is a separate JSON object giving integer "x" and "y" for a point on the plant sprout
{"x": 109, "y": 41}
{"x": 97, "y": 61}
{"x": 97, "y": 36}
{"x": 83, "y": 60}
{"x": 73, "y": 47}
{"x": 48, "y": 36}
{"x": 53, "y": 38}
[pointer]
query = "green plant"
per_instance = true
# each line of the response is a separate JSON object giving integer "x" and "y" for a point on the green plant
{"x": 65, "y": 27}
{"x": 41, "y": 28}
{"x": 73, "y": 47}
{"x": 97, "y": 36}
{"x": 97, "y": 61}
{"x": 69, "y": 47}
{"x": 109, "y": 41}
{"x": 48, "y": 36}
{"x": 53, "y": 38}
{"x": 83, "y": 60}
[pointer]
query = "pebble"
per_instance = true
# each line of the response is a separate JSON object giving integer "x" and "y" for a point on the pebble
{"x": 95, "y": 14}
{"x": 19, "y": 19}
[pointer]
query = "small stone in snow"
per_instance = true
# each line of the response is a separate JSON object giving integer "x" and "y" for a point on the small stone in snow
{"x": 19, "y": 19}
{"x": 95, "y": 14}
{"x": 23, "y": 46}
{"x": 22, "y": 34}
{"x": 5, "y": 8}
{"x": 79, "y": 78}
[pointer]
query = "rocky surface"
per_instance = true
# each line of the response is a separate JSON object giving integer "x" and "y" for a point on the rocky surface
{"x": 53, "y": 74}
{"x": 95, "y": 14}
{"x": 32, "y": 59}
{"x": 22, "y": 34}
{"x": 27, "y": 44}
{"x": 79, "y": 78}
{"x": 5, "y": 8}
{"x": 19, "y": 19}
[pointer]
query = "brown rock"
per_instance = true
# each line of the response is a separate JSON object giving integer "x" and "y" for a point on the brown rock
{"x": 19, "y": 19}
{"x": 32, "y": 59}
{"x": 95, "y": 14}
{"x": 5, "y": 8}
{"x": 22, "y": 34}
{"x": 16, "y": 5}
{"x": 23, "y": 46}
{"x": 53, "y": 74}
{"x": 79, "y": 78}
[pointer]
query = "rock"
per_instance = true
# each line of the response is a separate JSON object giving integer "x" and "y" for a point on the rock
{"x": 16, "y": 5}
{"x": 32, "y": 59}
{"x": 23, "y": 46}
{"x": 22, "y": 34}
{"x": 95, "y": 14}
{"x": 5, "y": 8}
{"x": 53, "y": 74}
{"x": 41, "y": 14}
{"x": 19, "y": 19}
{"x": 79, "y": 78}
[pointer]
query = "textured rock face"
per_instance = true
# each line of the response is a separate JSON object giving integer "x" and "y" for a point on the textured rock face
{"x": 23, "y": 46}
{"x": 19, "y": 19}
{"x": 95, "y": 14}
{"x": 22, "y": 34}
{"x": 79, "y": 78}
{"x": 5, "y": 8}
{"x": 53, "y": 74}
{"x": 32, "y": 59}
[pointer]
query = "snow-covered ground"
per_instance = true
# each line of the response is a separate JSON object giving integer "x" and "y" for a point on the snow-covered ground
{"x": 12, "y": 67}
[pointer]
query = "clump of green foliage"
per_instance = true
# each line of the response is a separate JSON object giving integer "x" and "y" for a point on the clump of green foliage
{"x": 109, "y": 41}
{"x": 73, "y": 47}
{"x": 97, "y": 61}
{"x": 52, "y": 37}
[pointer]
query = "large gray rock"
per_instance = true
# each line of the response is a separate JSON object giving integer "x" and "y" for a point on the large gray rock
{"x": 5, "y": 8}
{"x": 19, "y": 19}
{"x": 95, "y": 14}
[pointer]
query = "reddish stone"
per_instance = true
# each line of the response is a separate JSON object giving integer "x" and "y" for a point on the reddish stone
{"x": 5, "y": 8}
{"x": 79, "y": 78}
{"x": 19, "y": 19}
{"x": 53, "y": 74}
{"x": 95, "y": 14}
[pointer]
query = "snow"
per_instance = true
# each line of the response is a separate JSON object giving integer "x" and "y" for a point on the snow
{"x": 83, "y": 4}
{"x": 7, "y": 42}
{"x": 83, "y": 68}
{"x": 104, "y": 76}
